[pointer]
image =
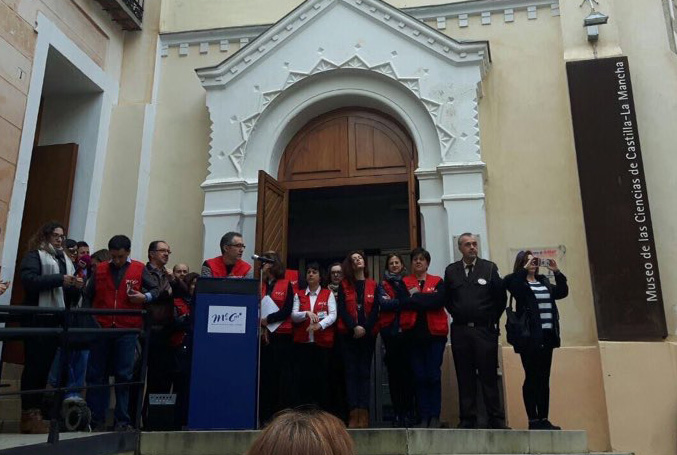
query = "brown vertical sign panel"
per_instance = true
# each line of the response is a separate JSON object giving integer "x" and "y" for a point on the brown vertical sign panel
{"x": 622, "y": 254}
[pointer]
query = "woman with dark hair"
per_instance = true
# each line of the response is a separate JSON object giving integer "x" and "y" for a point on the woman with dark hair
{"x": 400, "y": 376}
{"x": 276, "y": 373}
{"x": 49, "y": 282}
{"x": 425, "y": 327}
{"x": 358, "y": 313}
{"x": 535, "y": 294}
{"x": 314, "y": 315}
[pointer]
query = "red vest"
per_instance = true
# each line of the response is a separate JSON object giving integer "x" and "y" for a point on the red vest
{"x": 437, "y": 319}
{"x": 293, "y": 277}
{"x": 324, "y": 338}
{"x": 181, "y": 308}
{"x": 350, "y": 295}
{"x": 218, "y": 268}
{"x": 385, "y": 318}
{"x": 108, "y": 296}
{"x": 279, "y": 296}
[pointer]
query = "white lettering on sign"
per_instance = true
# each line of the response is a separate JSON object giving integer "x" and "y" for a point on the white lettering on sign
{"x": 227, "y": 319}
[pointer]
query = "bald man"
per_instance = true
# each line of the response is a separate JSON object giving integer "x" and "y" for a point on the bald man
{"x": 180, "y": 271}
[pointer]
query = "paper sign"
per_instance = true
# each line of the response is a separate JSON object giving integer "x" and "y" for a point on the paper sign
{"x": 268, "y": 306}
{"x": 227, "y": 319}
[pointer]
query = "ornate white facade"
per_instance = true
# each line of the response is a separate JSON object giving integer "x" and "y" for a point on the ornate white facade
{"x": 328, "y": 54}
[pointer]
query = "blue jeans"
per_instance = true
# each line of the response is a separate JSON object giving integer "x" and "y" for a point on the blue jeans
{"x": 116, "y": 356}
{"x": 76, "y": 366}
{"x": 426, "y": 361}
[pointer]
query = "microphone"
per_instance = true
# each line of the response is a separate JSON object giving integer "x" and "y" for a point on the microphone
{"x": 256, "y": 257}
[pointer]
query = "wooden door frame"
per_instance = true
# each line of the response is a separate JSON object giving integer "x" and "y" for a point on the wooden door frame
{"x": 409, "y": 178}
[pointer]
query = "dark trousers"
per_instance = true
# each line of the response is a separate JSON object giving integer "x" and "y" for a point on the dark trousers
{"x": 357, "y": 357}
{"x": 311, "y": 368}
{"x": 338, "y": 402}
{"x": 426, "y": 362}
{"x": 400, "y": 374}
{"x": 536, "y": 387}
{"x": 108, "y": 355}
{"x": 39, "y": 353}
{"x": 277, "y": 377}
{"x": 475, "y": 352}
{"x": 160, "y": 362}
{"x": 181, "y": 383}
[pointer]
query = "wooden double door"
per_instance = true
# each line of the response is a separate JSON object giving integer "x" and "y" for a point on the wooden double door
{"x": 347, "y": 147}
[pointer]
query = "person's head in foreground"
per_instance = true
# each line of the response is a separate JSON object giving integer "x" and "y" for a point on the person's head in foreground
{"x": 303, "y": 432}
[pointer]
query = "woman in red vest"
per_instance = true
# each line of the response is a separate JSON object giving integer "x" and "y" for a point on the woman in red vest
{"x": 400, "y": 376}
{"x": 358, "y": 313}
{"x": 314, "y": 314}
{"x": 276, "y": 371}
{"x": 424, "y": 325}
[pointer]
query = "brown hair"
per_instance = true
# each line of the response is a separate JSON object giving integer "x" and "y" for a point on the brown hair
{"x": 41, "y": 238}
{"x": 303, "y": 432}
{"x": 347, "y": 266}
{"x": 278, "y": 269}
{"x": 520, "y": 260}
{"x": 398, "y": 256}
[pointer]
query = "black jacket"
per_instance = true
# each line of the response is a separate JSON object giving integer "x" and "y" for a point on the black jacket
{"x": 35, "y": 282}
{"x": 518, "y": 286}
{"x": 479, "y": 297}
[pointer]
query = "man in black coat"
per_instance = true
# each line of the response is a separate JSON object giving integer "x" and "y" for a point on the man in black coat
{"x": 475, "y": 298}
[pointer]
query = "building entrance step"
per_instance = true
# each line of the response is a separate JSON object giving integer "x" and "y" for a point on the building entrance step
{"x": 384, "y": 442}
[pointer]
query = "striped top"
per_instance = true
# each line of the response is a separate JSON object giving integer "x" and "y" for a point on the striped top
{"x": 545, "y": 304}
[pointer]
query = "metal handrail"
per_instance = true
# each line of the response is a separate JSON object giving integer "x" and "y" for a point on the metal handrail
{"x": 10, "y": 312}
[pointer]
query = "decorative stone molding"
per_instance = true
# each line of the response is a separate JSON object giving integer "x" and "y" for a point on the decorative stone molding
{"x": 440, "y": 14}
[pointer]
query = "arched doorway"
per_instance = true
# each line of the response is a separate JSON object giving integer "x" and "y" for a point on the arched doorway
{"x": 345, "y": 181}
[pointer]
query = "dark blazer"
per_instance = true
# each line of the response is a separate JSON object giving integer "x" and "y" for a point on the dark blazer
{"x": 479, "y": 297}
{"x": 516, "y": 283}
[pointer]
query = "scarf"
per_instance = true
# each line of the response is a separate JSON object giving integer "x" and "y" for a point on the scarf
{"x": 52, "y": 298}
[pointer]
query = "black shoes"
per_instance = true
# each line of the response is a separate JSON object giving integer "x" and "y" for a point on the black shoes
{"x": 467, "y": 425}
{"x": 542, "y": 424}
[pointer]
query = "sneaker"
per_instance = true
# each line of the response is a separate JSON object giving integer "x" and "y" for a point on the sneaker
{"x": 124, "y": 427}
{"x": 32, "y": 423}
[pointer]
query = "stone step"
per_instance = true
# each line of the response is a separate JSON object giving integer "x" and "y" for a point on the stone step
{"x": 384, "y": 442}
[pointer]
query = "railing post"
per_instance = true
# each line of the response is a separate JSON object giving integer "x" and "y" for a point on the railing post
{"x": 53, "y": 436}
{"x": 144, "y": 368}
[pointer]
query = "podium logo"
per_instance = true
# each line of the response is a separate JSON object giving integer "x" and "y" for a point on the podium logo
{"x": 227, "y": 319}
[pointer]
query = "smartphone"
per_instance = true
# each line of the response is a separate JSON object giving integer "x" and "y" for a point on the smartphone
{"x": 542, "y": 262}
{"x": 130, "y": 287}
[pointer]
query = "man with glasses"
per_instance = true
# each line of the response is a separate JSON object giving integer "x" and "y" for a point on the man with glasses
{"x": 230, "y": 263}
{"x": 161, "y": 315}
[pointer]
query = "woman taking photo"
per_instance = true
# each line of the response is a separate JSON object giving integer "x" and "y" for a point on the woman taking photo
{"x": 425, "y": 328}
{"x": 358, "y": 314}
{"x": 49, "y": 282}
{"x": 400, "y": 376}
{"x": 276, "y": 351}
{"x": 314, "y": 314}
{"x": 536, "y": 295}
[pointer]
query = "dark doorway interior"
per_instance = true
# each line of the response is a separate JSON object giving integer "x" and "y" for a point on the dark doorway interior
{"x": 326, "y": 223}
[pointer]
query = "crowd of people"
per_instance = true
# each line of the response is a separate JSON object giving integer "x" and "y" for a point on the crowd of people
{"x": 316, "y": 349}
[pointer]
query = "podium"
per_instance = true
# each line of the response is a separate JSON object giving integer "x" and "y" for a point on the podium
{"x": 224, "y": 373}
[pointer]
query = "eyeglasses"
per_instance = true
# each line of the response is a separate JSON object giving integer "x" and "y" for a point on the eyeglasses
{"x": 163, "y": 250}
{"x": 238, "y": 245}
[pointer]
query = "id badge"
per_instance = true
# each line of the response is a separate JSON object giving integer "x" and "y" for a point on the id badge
{"x": 322, "y": 315}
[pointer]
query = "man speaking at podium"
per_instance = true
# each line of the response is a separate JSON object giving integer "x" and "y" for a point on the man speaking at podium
{"x": 230, "y": 263}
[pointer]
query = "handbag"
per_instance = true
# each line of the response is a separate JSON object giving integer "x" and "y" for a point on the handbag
{"x": 517, "y": 327}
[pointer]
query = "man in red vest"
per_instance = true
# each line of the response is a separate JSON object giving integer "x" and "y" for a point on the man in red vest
{"x": 120, "y": 283}
{"x": 230, "y": 263}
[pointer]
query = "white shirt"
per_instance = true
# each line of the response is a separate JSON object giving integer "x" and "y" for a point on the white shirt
{"x": 465, "y": 266}
{"x": 300, "y": 316}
